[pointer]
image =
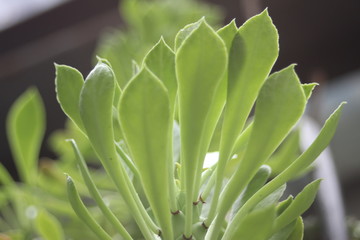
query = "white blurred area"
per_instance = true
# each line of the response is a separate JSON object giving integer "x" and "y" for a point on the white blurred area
{"x": 345, "y": 145}
{"x": 15, "y": 11}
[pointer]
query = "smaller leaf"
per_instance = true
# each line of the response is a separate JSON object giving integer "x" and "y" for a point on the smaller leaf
{"x": 161, "y": 61}
{"x": 255, "y": 226}
{"x": 118, "y": 92}
{"x": 68, "y": 85}
{"x": 146, "y": 123}
{"x": 284, "y": 233}
{"x": 25, "y": 130}
{"x": 300, "y": 204}
{"x": 286, "y": 153}
{"x": 82, "y": 212}
{"x": 272, "y": 198}
{"x": 185, "y": 32}
{"x": 298, "y": 233}
{"x": 280, "y": 208}
{"x": 227, "y": 33}
{"x": 301, "y": 163}
{"x": 308, "y": 89}
{"x": 48, "y": 226}
{"x": 96, "y": 111}
{"x": 255, "y": 184}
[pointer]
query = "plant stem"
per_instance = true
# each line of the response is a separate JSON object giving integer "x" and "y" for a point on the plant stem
{"x": 96, "y": 195}
{"x": 127, "y": 161}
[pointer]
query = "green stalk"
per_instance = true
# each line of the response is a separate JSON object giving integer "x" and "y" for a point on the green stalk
{"x": 209, "y": 186}
{"x": 133, "y": 168}
{"x": 127, "y": 161}
{"x": 240, "y": 142}
{"x": 96, "y": 195}
{"x": 82, "y": 211}
{"x": 126, "y": 188}
{"x": 144, "y": 214}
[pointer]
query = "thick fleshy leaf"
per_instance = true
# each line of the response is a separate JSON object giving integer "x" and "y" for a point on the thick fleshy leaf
{"x": 284, "y": 233}
{"x": 185, "y": 32}
{"x": 68, "y": 85}
{"x": 301, "y": 163}
{"x": 25, "y": 130}
{"x": 147, "y": 126}
{"x": 272, "y": 198}
{"x": 253, "y": 53}
{"x": 286, "y": 154}
{"x": 96, "y": 111}
{"x": 308, "y": 89}
{"x": 300, "y": 204}
{"x": 280, "y": 208}
{"x": 298, "y": 232}
{"x": 161, "y": 61}
{"x": 255, "y": 184}
{"x": 255, "y": 226}
{"x": 200, "y": 65}
{"x": 280, "y": 104}
{"x": 48, "y": 226}
{"x": 227, "y": 34}
{"x": 96, "y": 102}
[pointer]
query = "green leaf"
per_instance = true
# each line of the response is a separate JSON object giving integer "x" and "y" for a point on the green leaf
{"x": 280, "y": 208}
{"x": 300, "y": 204}
{"x": 147, "y": 126}
{"x": 82, "y": 212}
{"x": 298, "y": 233}
{"x": 253, "y": 52}
{"x": 96, "y": 111}
{"x": 161, "y": 61}
{"x": 200, "y": 66}
{"x": 227, "y": 34}
{"x": 118, "y": 92}
{"x": 252, "y": 55}
{"x": 308, "y": 89}
{"x": 286, "y": 154}
{"x": 255, "y": 184}
{"x": 280, "y": 104}
{"x": 272, "y": 198}
{"x": 25, "y": 130}
{"x": 185, "y": 32}
{"x": 284, "y": 233}
{"x": 68, "y": 85}
{"x": 255, "y": 226}
{"x": 48, "y": 226}
{"x": 301, "y": 163}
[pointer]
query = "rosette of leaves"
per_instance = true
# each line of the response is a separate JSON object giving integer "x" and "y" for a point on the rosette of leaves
{"x": 181, "y": 103}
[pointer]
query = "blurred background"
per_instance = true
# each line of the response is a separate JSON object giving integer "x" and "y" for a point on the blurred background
{"x": 322, "y": 37}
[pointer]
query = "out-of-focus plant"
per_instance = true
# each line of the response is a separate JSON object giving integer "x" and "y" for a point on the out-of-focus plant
{"x": 157, "y": 128}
